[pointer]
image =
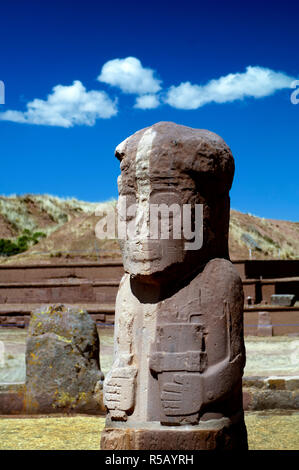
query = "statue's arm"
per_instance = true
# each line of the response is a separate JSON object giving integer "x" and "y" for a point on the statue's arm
{"x": 222, "y": 304}
{"x": 119, "y": 385}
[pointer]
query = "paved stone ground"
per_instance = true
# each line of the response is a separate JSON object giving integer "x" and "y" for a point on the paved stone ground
{"x": 274, "y": 356}
{"x": 12, "y": 362}
{"x": 275, "y": 429}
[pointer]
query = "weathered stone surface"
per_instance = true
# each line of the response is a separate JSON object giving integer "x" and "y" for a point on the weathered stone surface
{"x": 265, "y": 327}
{"x": 62, "y": 362}
{"x": 214, "y": 435}
{"x": 284, "y": 300}
{"x": 179, "y": 347}
{"x": 258, "y": 382}
{"x": 272, "y": 382}
{"x": 292, "y": 384}
{"x": 276, "y": 384}
{"x": 261, "y": 393}
{"x": 12, "y": 399}
{"x": 271, "y": 400}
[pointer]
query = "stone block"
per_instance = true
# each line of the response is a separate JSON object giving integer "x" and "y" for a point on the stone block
{"x": 62, "y": 362}
{"x": 283, "y": 300}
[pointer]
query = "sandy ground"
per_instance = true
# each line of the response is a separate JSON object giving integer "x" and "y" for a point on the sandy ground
{"x": 266, "y": 431}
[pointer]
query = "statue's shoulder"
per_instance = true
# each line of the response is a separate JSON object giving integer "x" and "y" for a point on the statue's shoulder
{"x": 125, "y": 281}
{"x": 220, "y": 280}
{"x": 125, "y": 295}
{"x": 124, "y": 286}
{"x": 221, "y": 268}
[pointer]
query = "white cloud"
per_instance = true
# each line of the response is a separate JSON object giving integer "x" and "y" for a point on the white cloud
{"x": 256, "y": 82}
{"x": 66, "y": 106}
{"x": 147, "y": 102}
{"x": 130, "y": 76}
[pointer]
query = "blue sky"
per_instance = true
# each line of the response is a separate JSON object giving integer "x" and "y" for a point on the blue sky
{"x": 82, "y": 76}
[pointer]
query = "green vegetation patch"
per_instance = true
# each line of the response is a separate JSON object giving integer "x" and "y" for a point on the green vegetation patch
{"x": 10, "y": 247}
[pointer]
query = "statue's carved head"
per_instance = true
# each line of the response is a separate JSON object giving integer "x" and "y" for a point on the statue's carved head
{"x": 174, "y": 184}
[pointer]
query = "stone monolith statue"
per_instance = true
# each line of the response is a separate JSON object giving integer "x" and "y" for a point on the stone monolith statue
{"x": 176, "y": 380}
{"x": 63, "y": 371}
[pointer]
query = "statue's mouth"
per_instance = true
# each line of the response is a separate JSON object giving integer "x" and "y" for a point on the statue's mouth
{"x": 144, "y": 251}
{"x": 146, "y": 255}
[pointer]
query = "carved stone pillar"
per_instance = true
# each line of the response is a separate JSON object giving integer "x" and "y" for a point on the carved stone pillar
{"x": 176, "y": 381}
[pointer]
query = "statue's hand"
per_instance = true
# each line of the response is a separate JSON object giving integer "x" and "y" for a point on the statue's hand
{"x": 119, "y": 391}
{"x": 183, "y": 396}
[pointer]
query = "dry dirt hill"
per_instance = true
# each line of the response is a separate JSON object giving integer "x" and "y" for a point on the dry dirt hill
{"x": 266, "y": 238}
{"x": 68, "y": 228}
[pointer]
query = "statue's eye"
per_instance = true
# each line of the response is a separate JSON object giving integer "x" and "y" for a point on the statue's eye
{"x": 126, "y": 207}
{"x": 163, "y": 197}
{"x": 131, "y": 212}
{"x": 125, "y": 165}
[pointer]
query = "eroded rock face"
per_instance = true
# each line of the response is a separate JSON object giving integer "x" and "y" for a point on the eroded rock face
{"x": 179, "y": 348}
{"x": 62, "y": 362}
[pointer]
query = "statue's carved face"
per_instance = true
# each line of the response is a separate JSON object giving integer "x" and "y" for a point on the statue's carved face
{"x": 155, "y": 195}
{"x": 151, "y": 243}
